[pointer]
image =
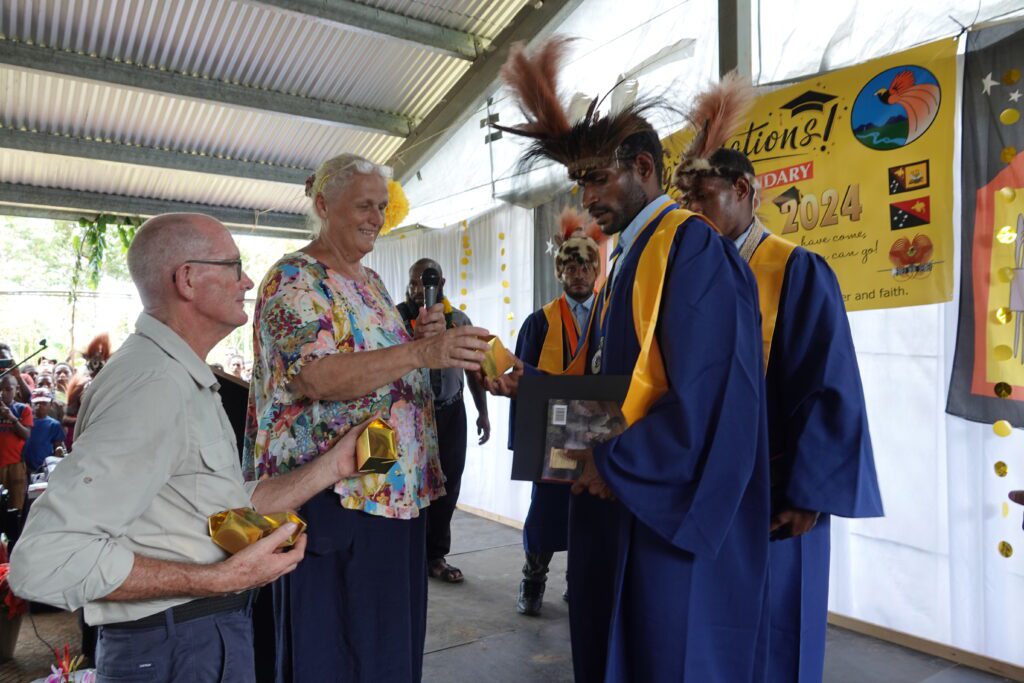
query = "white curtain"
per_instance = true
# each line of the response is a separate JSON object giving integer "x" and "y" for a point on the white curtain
{"x": 497, "y": 292}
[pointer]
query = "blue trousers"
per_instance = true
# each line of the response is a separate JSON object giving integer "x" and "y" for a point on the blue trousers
{"x": 355, "y": 609}
{"x": 213, "y": 649}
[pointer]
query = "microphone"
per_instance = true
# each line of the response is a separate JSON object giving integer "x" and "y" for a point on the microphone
{"x": 8, "y": 364}
{"x": 431, "y": 280}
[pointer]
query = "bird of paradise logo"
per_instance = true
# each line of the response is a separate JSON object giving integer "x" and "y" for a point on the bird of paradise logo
{"x": 896, "y": 107}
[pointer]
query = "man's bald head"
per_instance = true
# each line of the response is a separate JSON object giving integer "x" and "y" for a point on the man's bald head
{"x": 162, "y": 244}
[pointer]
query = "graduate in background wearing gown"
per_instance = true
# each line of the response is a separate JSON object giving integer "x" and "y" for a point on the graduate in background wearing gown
{"x": 548, "y": 340}
{"x": 820, "y": 447}
{"x": 683, "y": 594}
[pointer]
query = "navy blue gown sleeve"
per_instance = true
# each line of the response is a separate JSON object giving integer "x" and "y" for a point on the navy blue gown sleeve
{"x": 684, "y": 468}
{"x": 529, "y": 342}
{"x": 816, "y": 400}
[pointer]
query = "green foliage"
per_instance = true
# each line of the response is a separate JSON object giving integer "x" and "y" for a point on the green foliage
{"x": 92, "y": 247}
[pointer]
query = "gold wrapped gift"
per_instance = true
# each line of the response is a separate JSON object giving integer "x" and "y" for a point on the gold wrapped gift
{"x": 377, "y": 448}
{"x": 235, "y": 529}
{"x": 497, "y": 361}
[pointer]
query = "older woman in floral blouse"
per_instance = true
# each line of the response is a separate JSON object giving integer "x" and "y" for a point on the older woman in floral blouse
{"x": 331, "y": 350}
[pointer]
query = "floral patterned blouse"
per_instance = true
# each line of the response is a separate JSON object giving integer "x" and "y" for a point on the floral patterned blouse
{"x": 306, "y": 311}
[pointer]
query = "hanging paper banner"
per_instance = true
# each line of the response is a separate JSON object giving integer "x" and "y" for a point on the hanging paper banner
{"x": 857, "y": 165}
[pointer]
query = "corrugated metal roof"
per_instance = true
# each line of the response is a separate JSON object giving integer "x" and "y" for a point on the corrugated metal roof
{"x": 484, "y": 18}
{"x": 238, "y": 42}
{"x": 245, "y": 44}
{"x": 86, "y": 109}
{"x": 87, "y": 175}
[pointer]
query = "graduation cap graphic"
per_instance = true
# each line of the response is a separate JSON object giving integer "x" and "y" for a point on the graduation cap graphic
{"x": 910, "y": 213}
{"x": 808, "y": 101}
{"x": 790, "y": 195}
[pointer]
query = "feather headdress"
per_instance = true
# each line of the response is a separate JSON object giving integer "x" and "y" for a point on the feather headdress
{"x": 716, "y": 115}
{"x": 582, "y": 145}
{"x": 579, "y": 239}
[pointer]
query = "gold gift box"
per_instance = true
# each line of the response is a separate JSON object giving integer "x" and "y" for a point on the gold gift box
{"x": 497, "y": 360}
{"x": 235, "y": 529}
{"x": 377, "y": 448}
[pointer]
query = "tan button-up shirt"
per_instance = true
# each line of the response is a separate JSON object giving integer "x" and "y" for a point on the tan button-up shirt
{"x": 154, "y": 455}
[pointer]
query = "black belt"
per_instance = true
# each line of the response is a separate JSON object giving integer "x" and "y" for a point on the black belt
{"x": 189, "y": 611}
{"x": 441, "y": 405}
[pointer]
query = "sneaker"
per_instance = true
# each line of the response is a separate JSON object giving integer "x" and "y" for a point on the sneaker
{"x": 531, "y": 597}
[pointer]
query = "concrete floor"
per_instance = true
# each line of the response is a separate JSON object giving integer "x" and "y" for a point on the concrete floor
{"x": 475, "y": 635}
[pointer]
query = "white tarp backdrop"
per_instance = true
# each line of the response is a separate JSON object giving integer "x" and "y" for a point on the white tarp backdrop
{"x": 501, "y": 246}
{"x": 930, "y": 567}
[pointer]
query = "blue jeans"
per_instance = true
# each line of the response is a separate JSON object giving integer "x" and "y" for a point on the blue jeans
{"x": 217, "y": 648}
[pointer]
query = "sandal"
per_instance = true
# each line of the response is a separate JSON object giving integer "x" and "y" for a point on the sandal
{"x": 439, "y": 569}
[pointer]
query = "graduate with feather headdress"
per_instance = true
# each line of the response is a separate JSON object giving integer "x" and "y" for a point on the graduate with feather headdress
{"x": 548, "y": 341}
{"x": 668, "y": 546}
{"x": 822, "y": 460}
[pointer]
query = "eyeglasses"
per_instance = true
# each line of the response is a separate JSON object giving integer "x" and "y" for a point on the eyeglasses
{"x": 236, "y": 262}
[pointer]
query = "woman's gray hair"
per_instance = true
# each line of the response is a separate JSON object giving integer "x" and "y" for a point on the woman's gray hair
{"x": 331, "y": 177}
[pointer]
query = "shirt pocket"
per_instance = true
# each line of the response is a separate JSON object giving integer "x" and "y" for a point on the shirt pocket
{"x": 219, "y": 477}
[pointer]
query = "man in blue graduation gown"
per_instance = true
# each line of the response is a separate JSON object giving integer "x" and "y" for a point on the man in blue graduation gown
{"x": 548, "y": 340}
{"x": 687, "y": 597}
{"x": 821, "y": 457}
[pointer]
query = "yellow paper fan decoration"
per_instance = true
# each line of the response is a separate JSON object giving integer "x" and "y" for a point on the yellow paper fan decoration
{"x": 398, "y": 207}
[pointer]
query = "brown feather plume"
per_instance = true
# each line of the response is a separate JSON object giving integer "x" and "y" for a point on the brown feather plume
{"x": 535, "y": 83}
{"x": 579, "y": 145}
{"x": 99, "y": 347}
{"x": 717, "y": 114}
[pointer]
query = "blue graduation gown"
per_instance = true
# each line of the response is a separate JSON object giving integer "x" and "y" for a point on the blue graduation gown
{"x": 688, "y": 598}
{"x": 821, "y": 456}
{"x": 546, "y": 529}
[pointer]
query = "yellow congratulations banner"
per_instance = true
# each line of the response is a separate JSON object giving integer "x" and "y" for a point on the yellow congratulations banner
{"x": 857, "y": 165}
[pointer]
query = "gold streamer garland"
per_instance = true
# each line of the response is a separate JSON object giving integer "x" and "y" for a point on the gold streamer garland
{"x": 1006, "y": 236}
{"x": 465, "y": 262}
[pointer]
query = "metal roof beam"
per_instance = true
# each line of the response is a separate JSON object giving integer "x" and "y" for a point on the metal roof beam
{"x": 49, "y": 143}
{"x": 475, "y": 86}
{"x": 58, "y": 204}
{"x": 350, "y": 15}
{"x": 77, "y": 65}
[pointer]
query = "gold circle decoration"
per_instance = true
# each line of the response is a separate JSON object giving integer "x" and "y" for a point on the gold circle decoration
{"x": 465, "y": 261}
{"x": 1003, "y": 389}
{"x": 462, "y": 276}
{"x": 1009, "y": 116}
{"x": 1001, "y": 469}
{"x": 1008, "y": 194}
{"x": 1003, "y": 315}
{"x": 1006, "y": 235}
{"x": 464, "y": 291}
{"x": 508, "y": 299}
{"x": 1005, "y": 549}
{"x": 511, "y": 316}
{"x": 504, "y": 284}
{"x": 1010, "y": 77}
{"x": 1002, "y": 428}
{"x": 1006, "y": 509}
{"x": 1007, "y": 154}
{"x": 1002, "y": 352}
{"x": 503, "y": 267}
{"x": 462, "y": 307}
{"x": 501, "y": 235}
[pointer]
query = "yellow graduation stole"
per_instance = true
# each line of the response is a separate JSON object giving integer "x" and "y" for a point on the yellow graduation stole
{"x": 561, "y": 322}
{"x": 769, "y": 265}
{"x": 648, "y": 382}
